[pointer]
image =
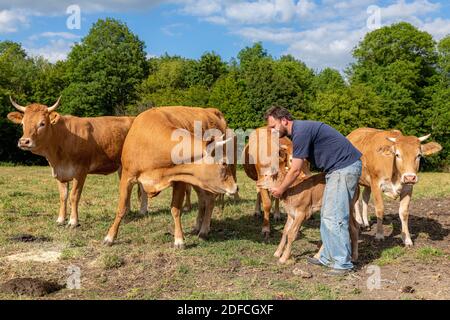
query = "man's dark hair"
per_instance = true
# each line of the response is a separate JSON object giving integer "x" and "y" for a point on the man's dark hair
{"x": 278, "y": 113}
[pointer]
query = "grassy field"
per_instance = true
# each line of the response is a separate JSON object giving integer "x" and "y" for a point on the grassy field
{"x": 234, "y": 263}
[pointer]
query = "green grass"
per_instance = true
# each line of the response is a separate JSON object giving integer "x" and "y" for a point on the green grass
{"x": 390, "y": 255}
{"x": 234, "y": 263}
{"x": 428, "y": 254}
{"x": 432, "y": 185}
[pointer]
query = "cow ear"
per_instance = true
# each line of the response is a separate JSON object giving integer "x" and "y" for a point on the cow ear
{"x": 54, "y": 117}
{"x": 430, "y": 148}
{"x": 386, "y": 150}
{"x": 15, "y": 117}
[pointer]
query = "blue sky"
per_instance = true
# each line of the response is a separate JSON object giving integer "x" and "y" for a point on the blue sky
{"x": 321, "y": 33}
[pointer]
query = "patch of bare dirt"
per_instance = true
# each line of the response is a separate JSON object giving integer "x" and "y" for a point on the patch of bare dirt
{"x": 30, "y": 287}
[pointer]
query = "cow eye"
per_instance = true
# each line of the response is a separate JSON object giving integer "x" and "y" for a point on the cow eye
{"x": 397, "y": 155}
{"x": 42, "y": 124}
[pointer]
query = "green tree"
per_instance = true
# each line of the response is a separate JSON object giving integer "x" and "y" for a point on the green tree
{"x": 437, "y": 111}
{"x": 228, "y": 95}
{"x": 347, "y": 109}
{"x": 398, "y": 62}
{"x": 17, "y": 72}
{"x": 328, "y": 79}
{"x": 104, "y": 70}
{"x": 49, "y": 82}
{"x": 207, "y": 70}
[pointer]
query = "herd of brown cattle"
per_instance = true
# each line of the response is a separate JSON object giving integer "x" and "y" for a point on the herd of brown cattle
{"x": 141, "y": 150}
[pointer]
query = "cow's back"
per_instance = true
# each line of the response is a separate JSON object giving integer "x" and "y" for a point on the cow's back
{"x": 150, "y": 141}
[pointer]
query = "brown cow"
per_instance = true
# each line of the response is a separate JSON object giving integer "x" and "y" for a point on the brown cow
{"x": 390, "y": 164}
{"x": 254, "y": 169}
{"x": 73, "y": 147}
{"x": 148, "y": 158}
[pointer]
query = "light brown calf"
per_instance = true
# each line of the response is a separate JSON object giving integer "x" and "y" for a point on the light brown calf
{"x": 300, "y": 201}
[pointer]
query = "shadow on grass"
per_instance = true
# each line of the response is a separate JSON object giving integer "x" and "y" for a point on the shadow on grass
{"x": 135, "y": 215}
{"x": 371, "y": 249}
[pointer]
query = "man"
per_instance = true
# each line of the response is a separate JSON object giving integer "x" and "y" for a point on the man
{"x": 331, "y": 152}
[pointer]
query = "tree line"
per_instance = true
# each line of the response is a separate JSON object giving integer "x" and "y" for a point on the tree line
{"x": 400, "y": 78}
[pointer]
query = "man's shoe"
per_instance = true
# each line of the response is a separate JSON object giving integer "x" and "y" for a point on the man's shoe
{"x": 338, "y": 272}
{"x": 314, "y": 261}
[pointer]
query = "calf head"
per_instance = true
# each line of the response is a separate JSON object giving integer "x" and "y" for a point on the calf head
{"x": 36, "y": 121}
{"x": 270, "y": 176}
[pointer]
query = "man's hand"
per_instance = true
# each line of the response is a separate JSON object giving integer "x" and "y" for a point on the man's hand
{"x": 290, "y": 177}
{"x": 277, "y": 192}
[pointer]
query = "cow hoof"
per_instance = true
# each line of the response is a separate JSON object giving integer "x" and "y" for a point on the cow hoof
{"x": 277, "y": 217}
{"x": 366, "y": 228}
{"x": 257, "y": 215}
{"x": 379, "y": 237}
{"x": 108, "y": 241}
{"x": 179, "y": 244}
{"x": 408, "y": 243}
{"x": 203, "y": 235}
{"x": 73, "y": 225}
{"x": 60, "y": 223}
{"x": 282, "y": 260}
{"x": 277, "y": 254}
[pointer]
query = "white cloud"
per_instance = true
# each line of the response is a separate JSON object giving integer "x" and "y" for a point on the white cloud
{"x": 438, "y": 28}
{"x": 402, "y": 9}
{"x": 329, "y": 45}
{"x": 305, "y": 7}
{"x": 52, "y": 7}
{"x": 251, "y": 12}
{"x": 174, "y": 29}
{"x": 10, "y": 20}
{"x": 54, "y": 50}
{"x": 216, "y": 20}
{"x": 327, "y": 32}
{"x": 49, "y": 34}
{"x": 247, "y": 12}
{"x": 201, "y": 7}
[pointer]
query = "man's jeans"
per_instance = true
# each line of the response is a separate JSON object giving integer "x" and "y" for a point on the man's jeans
{"x": 335, "y": 214}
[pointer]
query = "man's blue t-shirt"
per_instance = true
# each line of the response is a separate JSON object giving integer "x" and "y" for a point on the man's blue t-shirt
{"x": 322, "y": 145}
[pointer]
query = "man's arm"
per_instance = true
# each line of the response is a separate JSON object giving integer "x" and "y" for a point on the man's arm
{"x": 293, "y": 173}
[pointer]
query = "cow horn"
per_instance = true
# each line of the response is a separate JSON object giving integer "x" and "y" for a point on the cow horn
{"x": 223, "y": 142}
{"x": 16, "y": 105}
{"x": 392, "y": 139}
{"x": 421, "y": 139}
{"x": 53, "y": 107}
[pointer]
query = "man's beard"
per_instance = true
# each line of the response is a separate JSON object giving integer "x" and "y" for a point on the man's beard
{"x": 282, "y": 132}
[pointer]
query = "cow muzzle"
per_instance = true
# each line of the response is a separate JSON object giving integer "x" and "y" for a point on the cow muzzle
{"x": 409, "y": 178}
{"x": 25, "y": 144}
{"x": 233, "y": 190}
